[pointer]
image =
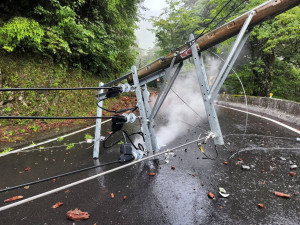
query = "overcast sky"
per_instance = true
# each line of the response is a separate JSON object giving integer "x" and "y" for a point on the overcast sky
{"x": 145, "y": 38}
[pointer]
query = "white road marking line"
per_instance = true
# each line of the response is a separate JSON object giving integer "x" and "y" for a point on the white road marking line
{"x": 51, "y": 140}
{"x": 274, "y": 121}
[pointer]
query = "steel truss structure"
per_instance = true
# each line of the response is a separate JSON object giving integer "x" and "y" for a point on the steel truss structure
{"x": 169, "y": 75}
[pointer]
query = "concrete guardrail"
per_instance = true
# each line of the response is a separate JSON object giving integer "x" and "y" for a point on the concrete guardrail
{"x": 281, "y": 109}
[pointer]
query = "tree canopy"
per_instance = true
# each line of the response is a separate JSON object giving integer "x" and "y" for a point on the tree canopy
{"x": 96, "y": 35}
{"x": 273, "y": 46}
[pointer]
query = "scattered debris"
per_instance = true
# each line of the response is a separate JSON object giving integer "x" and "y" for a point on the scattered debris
{"x": 238, "y": 163}
{"x": 27, "y": 169}
{"x": 223, "y": 193}
{"x": 292, "y": 174}
{"x": 244, "y": 167}
{"x": 291, "y": 162}
{"x": 292, "y": 167}
{"x": 261, "y": 205}
{"x": 57, "y": 204}
{"x": 14, "y": 198}
{"x": 279, "y": 194}
{"x": 211, "y": 195}
{"x": 112, "y": 195}
{"x": 124, "y": 197}
{"x": 225, "y": 163}
{"x": 152, "y": 174}
{"x": 26, "y": 187}
{"x": 173, "y": 167}
{"x": 222, "y": 190}
{"x": 77, "y": 214}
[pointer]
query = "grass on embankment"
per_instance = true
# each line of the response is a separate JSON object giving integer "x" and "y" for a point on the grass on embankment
{"x": 29, "y": 71}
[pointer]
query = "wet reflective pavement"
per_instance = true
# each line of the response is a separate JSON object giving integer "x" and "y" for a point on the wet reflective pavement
{"x": 176, "y": 196}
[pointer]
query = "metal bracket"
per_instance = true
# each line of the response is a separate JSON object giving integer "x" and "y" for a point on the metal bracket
{"x": 232, "y": 57}
{"x": 140, "y": 103}
{"x": 146, "y": 96}
{"x": 164, "y": 92}
{"x": 209, "y": 94}
{"x": 98, "y": 126}
{"x": 204, "y": 87}
{"x": 166, "y": 78}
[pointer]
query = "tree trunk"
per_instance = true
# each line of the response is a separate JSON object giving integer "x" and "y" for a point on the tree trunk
{"x": 265, "y": 79}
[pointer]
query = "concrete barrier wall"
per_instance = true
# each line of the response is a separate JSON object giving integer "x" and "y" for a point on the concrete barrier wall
{"x": 280, "y": 109}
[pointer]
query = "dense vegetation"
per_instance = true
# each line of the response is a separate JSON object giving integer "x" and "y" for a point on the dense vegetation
{"x": 271, "y": 60}
{"x": 61, "y": 43}
{"x": 96, "y": 35}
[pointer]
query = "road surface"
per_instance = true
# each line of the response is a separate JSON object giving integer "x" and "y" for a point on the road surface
{"x": 172, "y": 196}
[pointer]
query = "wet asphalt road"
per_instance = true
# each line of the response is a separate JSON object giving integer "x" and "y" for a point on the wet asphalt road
{"x": 171, "y": 196}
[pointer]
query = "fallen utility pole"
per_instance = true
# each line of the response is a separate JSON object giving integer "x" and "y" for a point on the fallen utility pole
{"x": 263, "y": 12}
{"x": 169, "y": 67}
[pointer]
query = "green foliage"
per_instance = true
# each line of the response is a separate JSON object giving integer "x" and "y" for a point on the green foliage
{"x": 285, "y": 83}
{"x": 36, "y": 71}
{"x": 70, "y": 146}
{"x": 6, "y": 150}
{"x": 59, "y": 139}
{"x": 94, "y": 35}
{"x": 176, "y": 22}
{"x": 273, "y": 46}
{"x": 88, "y": 136}
{"x": 7, "y": 110}
{"x": 20, "y": 31}
{"x": 22, "y": 131}
{"x": 34, "y": 127}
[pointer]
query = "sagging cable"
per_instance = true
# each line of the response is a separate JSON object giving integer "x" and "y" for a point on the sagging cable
{"x": 57, "y": 176}
{"x": 115, "y": 91}
{"x": 91, "y": 177}
{"x": 117, "y": 125}
{"x": 211, "y": 135}
{"x": 126, "y": 155}
{"x": 118, "y": 111}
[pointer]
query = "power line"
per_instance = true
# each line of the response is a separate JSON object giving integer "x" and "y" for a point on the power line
{"x": 55, "y": 89}
{"x": 92, "y": 177}
{"x": 214, "y": 18}
{"x": 225, "y": 17}
{"x": 57, "y": 176}
{"x": 190, "y": 108}
{"x": 207, "y": 25}
{"x": 117, "y": 111}
{"x": 52, "y": 118}
{"x": 185, "y": 103}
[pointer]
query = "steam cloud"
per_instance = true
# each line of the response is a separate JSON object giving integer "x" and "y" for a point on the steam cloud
{"x": 176, "y": 115}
